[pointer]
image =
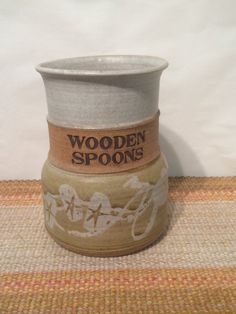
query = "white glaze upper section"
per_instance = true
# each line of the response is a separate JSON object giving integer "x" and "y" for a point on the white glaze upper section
{"x": 102, "y": 91}
{"x": 103, "y": 65}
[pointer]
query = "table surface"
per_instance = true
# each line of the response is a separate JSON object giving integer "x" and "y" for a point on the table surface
{"x": 191, "y": 270}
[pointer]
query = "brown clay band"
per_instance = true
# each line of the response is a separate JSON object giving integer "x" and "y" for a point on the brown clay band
{"x": 104, "y": 150}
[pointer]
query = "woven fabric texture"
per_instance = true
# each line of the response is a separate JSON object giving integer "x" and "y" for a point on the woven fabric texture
{"x": 192, "y": 269}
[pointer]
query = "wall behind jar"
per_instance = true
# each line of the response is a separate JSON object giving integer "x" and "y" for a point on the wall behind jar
{"x": 197, "y": 96}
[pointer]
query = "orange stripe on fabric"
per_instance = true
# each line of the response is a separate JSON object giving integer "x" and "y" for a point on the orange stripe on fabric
{"x": 182, "y": 189}
{"x": 120, "y": 291}
{"x": 129, "y": 278}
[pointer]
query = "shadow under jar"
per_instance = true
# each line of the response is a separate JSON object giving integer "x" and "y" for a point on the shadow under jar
{"x": 105, "y": 181}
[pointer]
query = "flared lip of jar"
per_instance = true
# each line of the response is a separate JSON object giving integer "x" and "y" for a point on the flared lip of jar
{"x": 103, "y": 65}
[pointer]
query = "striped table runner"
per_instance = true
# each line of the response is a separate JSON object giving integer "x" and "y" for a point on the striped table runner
{"x": 191, "y": 270}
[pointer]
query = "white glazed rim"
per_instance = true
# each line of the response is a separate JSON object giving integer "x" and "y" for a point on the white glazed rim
{"x": 103, "y": 65}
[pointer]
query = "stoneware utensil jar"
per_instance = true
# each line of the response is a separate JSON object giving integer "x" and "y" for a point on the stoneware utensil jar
{"x": 105, "y": 181}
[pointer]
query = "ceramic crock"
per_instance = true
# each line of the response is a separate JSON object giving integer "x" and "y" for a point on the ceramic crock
{"x": 105, "y": 181}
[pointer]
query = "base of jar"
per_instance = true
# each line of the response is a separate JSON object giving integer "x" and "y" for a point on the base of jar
{"x": 136, "y": 247}
{"x": 106, "y": 215}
